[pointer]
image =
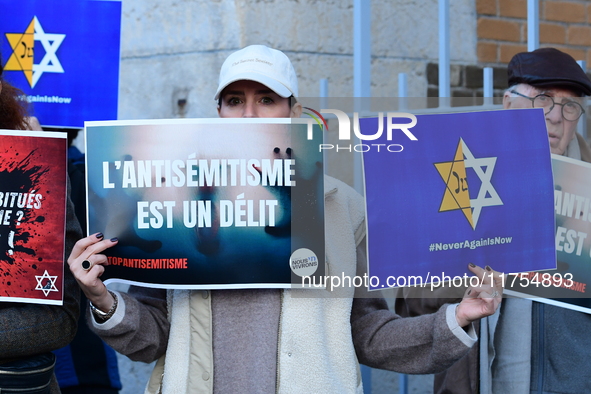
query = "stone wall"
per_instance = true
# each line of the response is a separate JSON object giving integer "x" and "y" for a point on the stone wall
{"x": 172, "y": 49}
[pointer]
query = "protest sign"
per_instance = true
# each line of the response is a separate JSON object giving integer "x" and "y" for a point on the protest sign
{"x": 567, "y": 285}
{"x": 207, "y": 203}
{"x": 472, "y": 188}
{"x": 32, "y": 216}
{"x": 64, "y": 55}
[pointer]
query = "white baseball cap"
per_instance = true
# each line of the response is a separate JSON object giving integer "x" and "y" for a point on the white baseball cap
{"x": 261, "y": 64}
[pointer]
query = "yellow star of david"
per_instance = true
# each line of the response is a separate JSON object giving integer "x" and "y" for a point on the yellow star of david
{"x": 22, "y": 51}
{"x": 23, "y": 45}
{"x": 456, "y": 195}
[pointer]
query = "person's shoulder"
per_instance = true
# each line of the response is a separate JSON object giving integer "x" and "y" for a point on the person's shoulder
{"x": 33, "y": 124}
{"x": 345, "y": 203}
{"x": 343, "y": 200}
{"x": 584, "y": 148}
{"x": 334, "y": 186}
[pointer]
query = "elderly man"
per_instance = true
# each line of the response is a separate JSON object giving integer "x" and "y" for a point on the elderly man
{"x": 532, "y": 347}
{"x": 549, "y": 79}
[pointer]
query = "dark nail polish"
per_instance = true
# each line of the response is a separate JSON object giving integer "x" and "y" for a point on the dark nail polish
{"x": 288, "y": 151}
{"x": 99, "y": 235}
{"x": 472, "y": 265}
{"x": 488, "y": 268}
{"x": 114, "y": 240}
{"x": 276, "y": 150}
{"x": 469, "y": 291}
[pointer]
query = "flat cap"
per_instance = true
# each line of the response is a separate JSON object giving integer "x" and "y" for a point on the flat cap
{"x": 548, "y": 67}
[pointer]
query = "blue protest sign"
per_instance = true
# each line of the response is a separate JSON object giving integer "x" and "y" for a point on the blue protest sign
{"x": 473, "y": 188}
{"x": 64, "y": 55}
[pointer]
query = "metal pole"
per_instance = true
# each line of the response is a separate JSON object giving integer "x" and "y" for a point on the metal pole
{"x": 533, "y": 25}
{"x": 444, "y": 74}
{"x": 582, "y": 125}
{"x": 487, "y": 91}
{"x": 361, "y": 48}
{"x": 402, "y": 91}
{"x": 403, "y": 383}
{"x": 323, "y": 93}
{"x": 361, "y": 88}
{"x": 324, "y": 87}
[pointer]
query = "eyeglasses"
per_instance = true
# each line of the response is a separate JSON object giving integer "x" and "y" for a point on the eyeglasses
{"x": 571, "y": 110}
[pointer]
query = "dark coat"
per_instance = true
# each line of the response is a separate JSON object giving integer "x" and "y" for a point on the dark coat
{"x": 29, "y": 329}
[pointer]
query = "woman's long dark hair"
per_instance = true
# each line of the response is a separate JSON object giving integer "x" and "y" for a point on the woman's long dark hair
{"x": 13, "y": 106}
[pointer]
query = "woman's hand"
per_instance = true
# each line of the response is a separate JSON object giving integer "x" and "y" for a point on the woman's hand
{"x": 87, "y": 265}
{"x": 481, "y": 300}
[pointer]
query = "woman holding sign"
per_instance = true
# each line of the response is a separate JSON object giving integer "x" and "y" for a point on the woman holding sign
{"x": 29, "y": 331}
{"x": 260, "y": 340}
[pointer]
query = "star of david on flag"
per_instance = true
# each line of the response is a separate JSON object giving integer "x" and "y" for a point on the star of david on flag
{"x": 23, "y": 46}
{"x": 457, "y": 196}
{"x": 64, "y": 55}
{"x": 475, "y": 187}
